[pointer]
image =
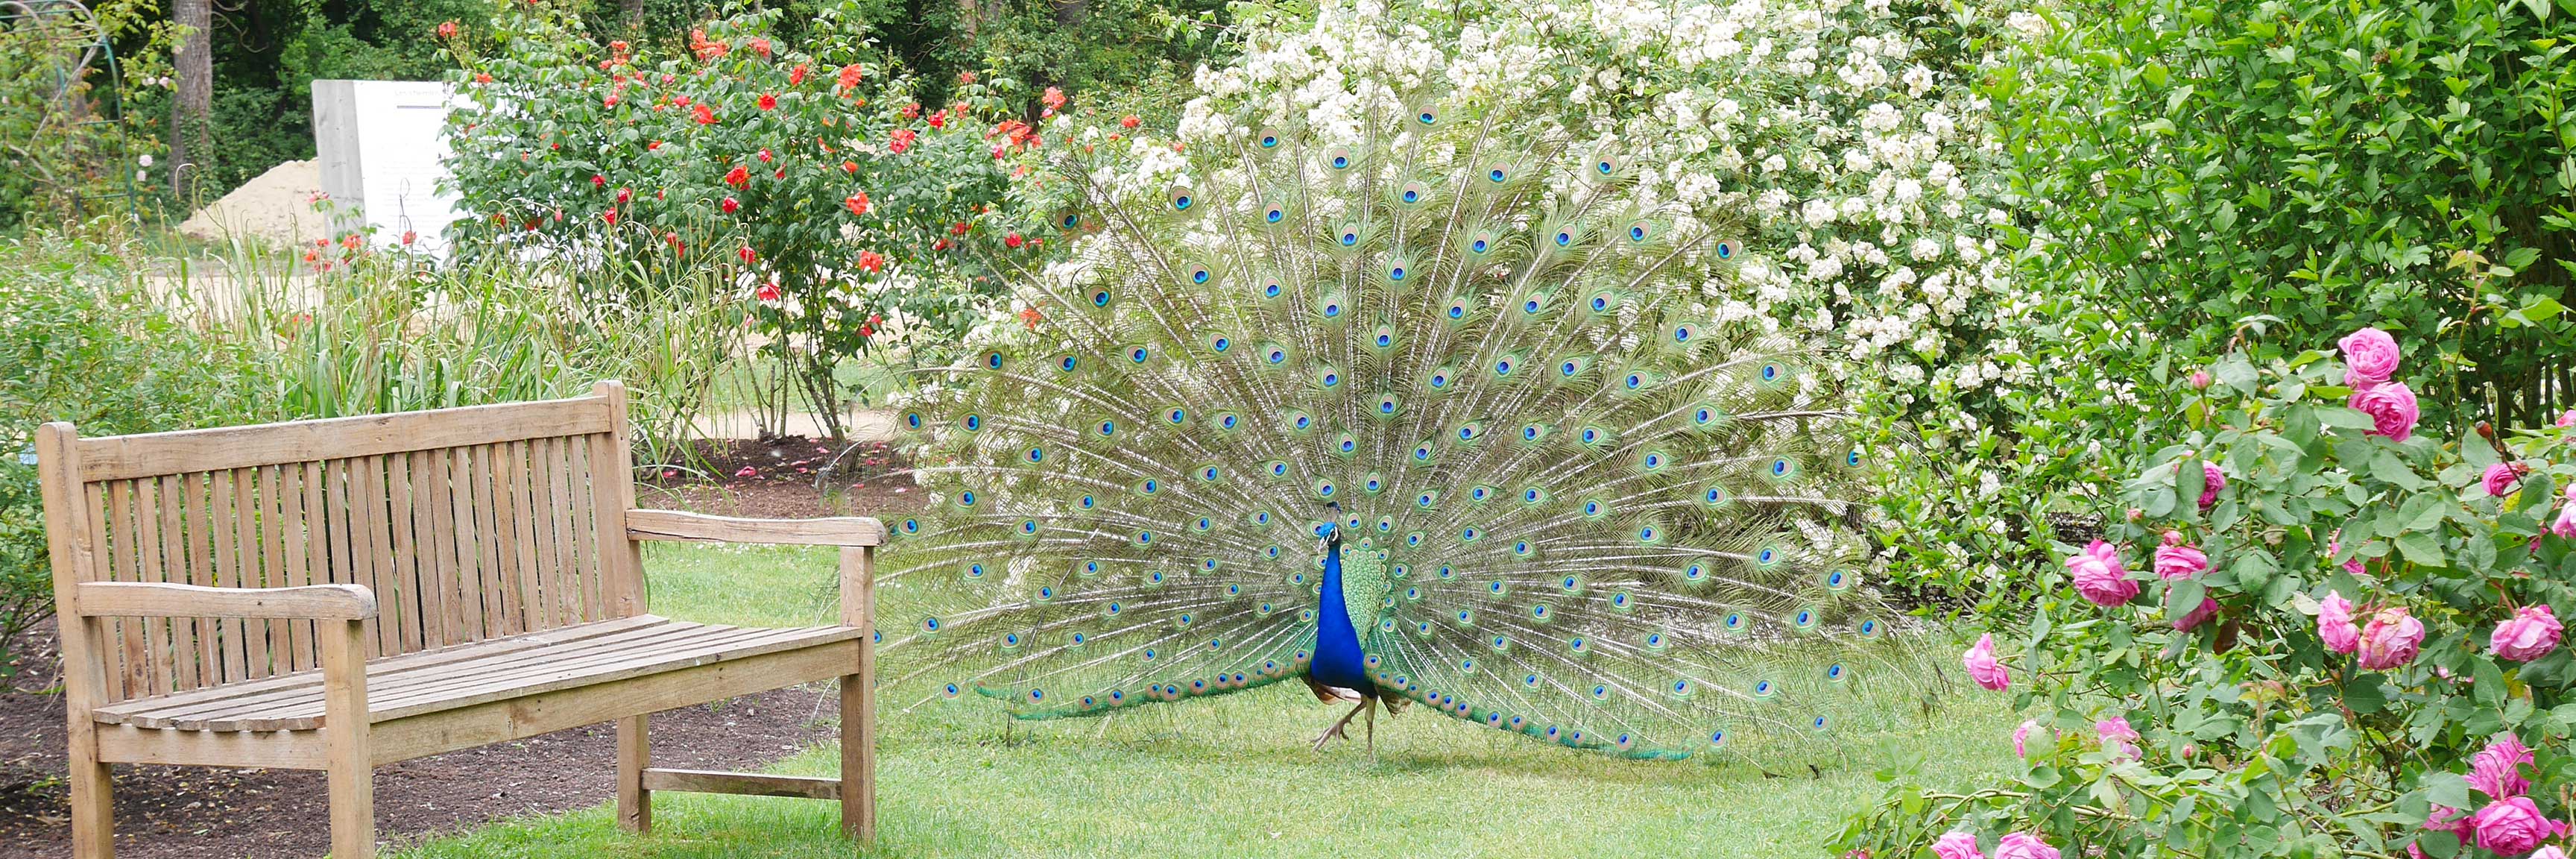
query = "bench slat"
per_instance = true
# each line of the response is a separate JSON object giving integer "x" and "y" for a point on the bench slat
{"x": 153, "y": 454}
{"x": 475, "y": 674}
{"x": 197, "y": 699}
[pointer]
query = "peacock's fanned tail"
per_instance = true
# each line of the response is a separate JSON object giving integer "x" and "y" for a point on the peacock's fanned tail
{"x": 1580, "y": 507}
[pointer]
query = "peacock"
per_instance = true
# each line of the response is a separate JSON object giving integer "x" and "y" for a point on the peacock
{"x": 1436, "y": 412}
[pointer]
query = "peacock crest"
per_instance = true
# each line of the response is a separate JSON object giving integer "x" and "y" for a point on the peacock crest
{"x": 1566, "y": 499}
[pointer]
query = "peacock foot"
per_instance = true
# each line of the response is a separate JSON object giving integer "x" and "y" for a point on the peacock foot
{"x": 1338, "y": 728}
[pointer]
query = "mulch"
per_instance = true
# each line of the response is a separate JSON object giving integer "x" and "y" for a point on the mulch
{"x": 171, "y": 812}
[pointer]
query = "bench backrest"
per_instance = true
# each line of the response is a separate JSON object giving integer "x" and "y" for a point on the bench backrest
{"x": 468, "y": 523}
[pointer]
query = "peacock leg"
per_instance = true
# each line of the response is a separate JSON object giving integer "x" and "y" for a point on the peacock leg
{"x": 1371, "y": 728}
{"x": 1337, "y": 729}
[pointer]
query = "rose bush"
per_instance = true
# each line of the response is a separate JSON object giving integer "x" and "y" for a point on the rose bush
{"x": 847, "y": 213}
{"x": 2350, "y": 646}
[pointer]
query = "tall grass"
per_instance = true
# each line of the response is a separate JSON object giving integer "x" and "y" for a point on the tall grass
{"x": 389, "y": 333}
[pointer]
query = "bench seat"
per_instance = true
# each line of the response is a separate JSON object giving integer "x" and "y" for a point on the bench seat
{"x": 516, "y": 666}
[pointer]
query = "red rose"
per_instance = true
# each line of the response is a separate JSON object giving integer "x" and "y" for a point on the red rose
{"x": 410, "y": 236}
{"x": 870, "y": 262}
{"x": 738, "y": 178}
{"x": 939, "y": 245}
{"x": 758, "y": 46}
{"x": 610, "y": 216}
{"x": 797, "y": 77}
{"x": 876, "y": 319}
{"x": 625, "y": 194}
{"x": 965, "y": 77}
{"x": 729, "y": 206}
{"x": 850, "y": 167}
{"x": 1013, "y": 241}
{"x": 482, "y": 77}
{"x": 939, "y": 120}
{"x": 447, "y": 29}
{"x": 867, "y": 331}
{"x": 768, "y": 102}
{"x": 748, "y": 255}
{"x": 957, "y": 229}
{"x": 764, "y": 156}
{"x": 912, "y": 111}
{"x": 598, "y": 181}
{"x": 1128, "y": 121}
{"x": 706, "y": 115}
{"x": 850, "y": 75}
{"x": 766, "y": 292}
{"x": 857, "y": 203}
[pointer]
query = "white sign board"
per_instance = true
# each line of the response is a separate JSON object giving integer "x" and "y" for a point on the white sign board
{"x": 380, "y": 144}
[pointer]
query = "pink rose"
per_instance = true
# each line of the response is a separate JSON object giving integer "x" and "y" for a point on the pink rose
{"x": 2512, "y": 826}
{"x": 2391, "y": 408}
{"x": 2567, "y": 419}
{"x": 2531, "y": 634}
{"x": 2117, "y": 737}
{"x": 2023, "y": 845}
{"x": 2391, "y": 639}
{"x": 2099, "y": 576}
{"x": 2500, "y": 479}
{"x": 2334, "y": 624}
{"x": 2550, "y": 852}
{"x": 1982, "y": 667}
{"x": 2565, "y": 526}
{"x": 2369, "y": 357}
{"x": 2497, "y": 769}
{"x": 2200, "y": 380}
{"x": 2021, "y": 736}
{"x": 2197, "y": 616}
{"x": 1957, "y": 845}
{"x": 2211, "y": 482}
{"x": 2176, "y": 560}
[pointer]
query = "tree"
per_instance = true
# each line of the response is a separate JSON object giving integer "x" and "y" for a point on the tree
{"x": 195, "y": 61}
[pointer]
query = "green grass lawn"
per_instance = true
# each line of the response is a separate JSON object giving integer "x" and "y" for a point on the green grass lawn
{"x": 1234, "y": 776}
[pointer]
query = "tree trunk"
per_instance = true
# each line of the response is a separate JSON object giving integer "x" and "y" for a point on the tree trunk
{"x": 195, "y": 62}
{"x": 634, "y": 13}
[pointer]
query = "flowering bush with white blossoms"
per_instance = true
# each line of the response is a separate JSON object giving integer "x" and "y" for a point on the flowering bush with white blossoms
{"x": 1838, "y": 141}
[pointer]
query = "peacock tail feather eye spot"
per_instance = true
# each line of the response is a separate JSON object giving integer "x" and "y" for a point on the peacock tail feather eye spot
{"x": 1324, "y": 489}
{"x": 1773, "y": 372}
{"x": 1600, "y": 691}
{"x": 1100, "y": 298}
{"x": 1274, "y": 214}
{"x": 1835, "y": 673}
{"x": 950, "y": 691}
{"x": 1838, "y": 580}
{"x": 1654, "y": 459}
{"x": 1531, "y": 680}
{"x": 1272, "y": 289}
{"x": 1591, "y": 435}
{"x": 1270, "y": 141}
{"x": 1637, "y": 232}
{"x": 1571, "y": 584}
{"x": 1089, "y": 502}
{"x": 974, "y": 571}
{"x": 1375, "y": 486}
{"x": 966, "y": 498}
{"x": 1594, "y": 508}
{"x": 1819, "y": 723}
{"x": 1076, "y": 640}
{"x": 1497, "y": 589}
{"x": 910, "y": 526}
{"x": 1395, "y": 272}
{"x": 1037, "y": 454}
{"x": 1272, "y": 551}
{"x": 1539, "y": 612}
{"x": 1277, "y": 355}
{"x": 1350, "y": 238}
{"x": 1176, "y": 416}
{"x": 1805, "y": 619}
{"x": 1655, "y": 641}
{"x": 1469, "y": 534}
{"x": 912, "y": 420}
{"x": 1767, "y": 556}
{"x": 1497, "y": 175}
{"x": 972, "y": 423}
{"x": 1867, "y": 628}
{"x": 1695, "y": 573}
{"x": 1564, "y": 238}
{"x": 929, "y": 625}
{"x": 1067, "y": 364}
{"x": 992, "y": 360}
{"x": 1649, "y": 534}
{"x": 1010, "y": 641}
{"x": 1480, "y": 493}
{"x": 1113, "y": 609}
{"x": 1426, "y": 117}
{"x": 1714, "y": 496}
{"x": 1717, "y": 738}
{"x": 1387, "y": 405}
{"x": 1199, "y": 274}
{"x": 1036, "y": 696}
{"x": 1621, "y": 601}
{"x": 1148, "y": 655}
{"x": 1600, "y": 303}
{"x": 1764, "y": 689}
{"x": 1725, "y": 250}
{"x": 1046, "y": 593}
{"x": 1503, "y": 367}
{"x": 1521, "y": 549}
{"x": 1734, "y": 621}
{"x": 1533, "y": 306}
{"x": 1457, "y": 310}
{"x": 1208, "y": 474}
{"x": 1144, "y": 538}
{"x": 1278, "y": 469}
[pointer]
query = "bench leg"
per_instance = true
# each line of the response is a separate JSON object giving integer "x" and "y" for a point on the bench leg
{"x": 634, "y": 753}
{"x": 93, "y": 802}
{"x": 858, "y": 758}
{"x": 349, "y": 764}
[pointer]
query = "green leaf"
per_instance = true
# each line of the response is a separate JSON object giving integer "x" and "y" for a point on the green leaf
{"x": 2042, "y": 777}
{"x": 2422, "y": 548}
{"x": 2447, "y": 789}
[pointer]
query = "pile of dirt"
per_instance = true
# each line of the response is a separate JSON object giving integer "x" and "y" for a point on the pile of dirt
{"x": 278, "y": 207}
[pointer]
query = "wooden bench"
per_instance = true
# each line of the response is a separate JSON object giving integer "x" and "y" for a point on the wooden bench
{"x": 339, "y": 594}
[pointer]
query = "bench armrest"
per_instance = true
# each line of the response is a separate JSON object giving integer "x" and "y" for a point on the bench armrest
{"x": 642, "y": 524}
{"x": 152, "y": 599}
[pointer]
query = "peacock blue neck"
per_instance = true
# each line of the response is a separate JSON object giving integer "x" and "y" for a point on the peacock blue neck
{"x": 1338, "y": 658}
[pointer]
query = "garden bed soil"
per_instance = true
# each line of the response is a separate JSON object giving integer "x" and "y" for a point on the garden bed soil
{"x": 172, "y": 812}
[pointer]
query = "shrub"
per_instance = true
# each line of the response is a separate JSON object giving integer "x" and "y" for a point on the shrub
{"x": 2327, "y": 636}
{"x": 89, "y": 347}
{"x": 802, "y": 172}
